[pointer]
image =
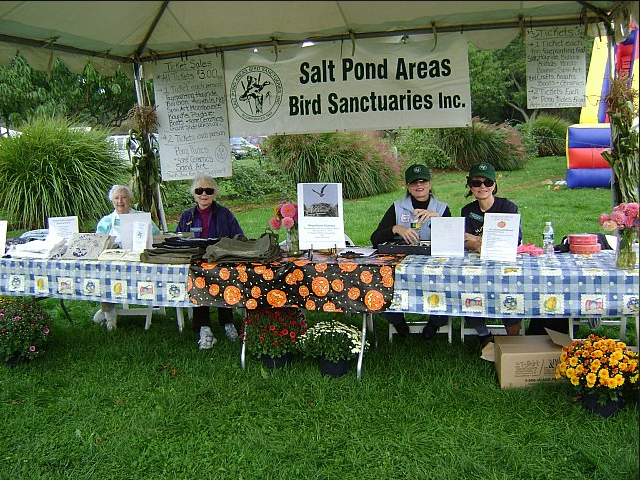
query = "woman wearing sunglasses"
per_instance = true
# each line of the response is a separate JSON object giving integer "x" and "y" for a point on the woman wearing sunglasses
{"x": 482, "y": 185}
{"x": 209, "y": 219}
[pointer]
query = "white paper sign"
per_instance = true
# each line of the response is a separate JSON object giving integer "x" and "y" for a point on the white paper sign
{"x": 320, "y": 219}
{"x": 500, "y": 235}
{"x": 140, "y": 236}
{"x": 192, "y": 117}
{"x": 3, "y": 236}
{"x": 127, "y": 223}
{"x": 447, "y": 236}
{"x": 64, "y": 227}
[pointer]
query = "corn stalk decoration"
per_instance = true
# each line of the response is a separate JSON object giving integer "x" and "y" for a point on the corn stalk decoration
{"x": 623, "y": 157}
{"x": 145, "y": 158}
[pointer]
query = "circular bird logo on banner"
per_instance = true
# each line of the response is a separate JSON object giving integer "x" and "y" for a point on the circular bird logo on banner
{"x": 256, "y": 93}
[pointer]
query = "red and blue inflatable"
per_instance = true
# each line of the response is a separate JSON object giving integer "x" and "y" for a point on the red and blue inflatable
{"x": 586, "y": 168}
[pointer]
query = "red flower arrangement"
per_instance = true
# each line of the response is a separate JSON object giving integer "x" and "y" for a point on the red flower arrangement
{"x": 273, "y": 331}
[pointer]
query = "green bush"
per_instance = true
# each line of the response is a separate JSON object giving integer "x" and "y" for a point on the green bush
{"x": 500, "y": 145}
{"x": 361, "y": 161}
{"x": 416, "y": 146}
{"x": 550, "y": 133}
{"x": 54, "y": 169}
{"x": 257, "y": 182}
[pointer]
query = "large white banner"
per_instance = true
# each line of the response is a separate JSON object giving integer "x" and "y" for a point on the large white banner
{"x": 324, "y": 88}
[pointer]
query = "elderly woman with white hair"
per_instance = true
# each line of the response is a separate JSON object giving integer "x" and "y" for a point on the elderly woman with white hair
{"x": 120, "y": 197}
{"x": 209, "y": 219}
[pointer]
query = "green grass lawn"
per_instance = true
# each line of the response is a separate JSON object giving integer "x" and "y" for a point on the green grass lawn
{"x": 136, "y": 404}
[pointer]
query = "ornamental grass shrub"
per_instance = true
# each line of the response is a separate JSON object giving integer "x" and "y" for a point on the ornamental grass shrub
{"x": 55, "y": 169}
{"x": 550, "y": 133}
{"x": 362, "y": 161}
{"x": 24, "y": 329}
{"x": 498, "y": 144}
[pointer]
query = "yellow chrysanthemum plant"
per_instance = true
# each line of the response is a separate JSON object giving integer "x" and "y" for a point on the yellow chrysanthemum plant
{"x": 599, "y": 365}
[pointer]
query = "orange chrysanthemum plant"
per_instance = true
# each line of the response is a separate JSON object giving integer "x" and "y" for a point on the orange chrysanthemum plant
{"x": 599, "y": 365}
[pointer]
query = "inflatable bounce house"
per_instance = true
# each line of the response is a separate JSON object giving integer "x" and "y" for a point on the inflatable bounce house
{"x": 586, "y": 168}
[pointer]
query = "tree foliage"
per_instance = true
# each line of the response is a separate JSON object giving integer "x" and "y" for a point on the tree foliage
{"x": 90, "y": 97}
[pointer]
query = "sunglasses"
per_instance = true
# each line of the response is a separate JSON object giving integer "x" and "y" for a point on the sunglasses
{"x": 477, "y": 183}
{"x": 207, "y": 191}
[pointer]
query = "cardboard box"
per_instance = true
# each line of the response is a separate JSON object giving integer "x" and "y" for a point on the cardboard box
{"x": 521, "y": 361}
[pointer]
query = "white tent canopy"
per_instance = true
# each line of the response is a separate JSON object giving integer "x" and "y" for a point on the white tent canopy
{"x": 124, "y": 32}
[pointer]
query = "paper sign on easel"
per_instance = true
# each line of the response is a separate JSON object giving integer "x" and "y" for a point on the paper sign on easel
{"x": 3, "y": 237}
{"x": 140, "y": 236}
{"x": 127, "y": 223}
{"x": 500, "y": 234}
{"x": 320, "y": 220}
{"x": 64, "y": 227}
{"x": 447, "y": 236}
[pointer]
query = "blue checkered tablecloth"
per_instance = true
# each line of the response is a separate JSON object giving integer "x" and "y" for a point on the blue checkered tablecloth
{"x": 570, "y": 285}
{"x": 134, "y": 283}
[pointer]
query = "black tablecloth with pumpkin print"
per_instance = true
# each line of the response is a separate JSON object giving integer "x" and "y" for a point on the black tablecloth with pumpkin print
{"x": 326, "y": 283}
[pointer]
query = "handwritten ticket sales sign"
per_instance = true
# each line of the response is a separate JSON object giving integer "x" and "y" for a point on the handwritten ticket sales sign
{"x": 192, "y": 114}
{"x": 556, "y": 67}
{"x": 324, "y": 88}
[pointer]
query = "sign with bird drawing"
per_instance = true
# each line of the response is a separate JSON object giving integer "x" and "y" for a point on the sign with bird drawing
{"x": 320, "y": 219}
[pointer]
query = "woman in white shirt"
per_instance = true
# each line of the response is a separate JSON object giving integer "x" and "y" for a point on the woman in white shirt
{"x": 120, "y": 196}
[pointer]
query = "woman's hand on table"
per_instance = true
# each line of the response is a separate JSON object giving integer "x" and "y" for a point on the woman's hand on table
{"x": 473, "y": 242}
{"x": 409, "y": 235}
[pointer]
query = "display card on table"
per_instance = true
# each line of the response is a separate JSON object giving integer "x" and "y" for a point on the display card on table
{"x": 127, "y": 224}
{"x": 447, "y": 236}
{"x": 500, "y": 235}
{"x": 64, "y": 227}
{"x": 320, "y": 219}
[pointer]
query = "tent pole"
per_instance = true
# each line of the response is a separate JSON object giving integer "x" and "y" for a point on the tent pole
{"x": 611, "y": 53}
{"x": 137, "y": 81}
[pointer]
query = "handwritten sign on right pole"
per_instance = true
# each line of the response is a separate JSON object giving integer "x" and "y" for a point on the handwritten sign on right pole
{"x": 556, "y": 67}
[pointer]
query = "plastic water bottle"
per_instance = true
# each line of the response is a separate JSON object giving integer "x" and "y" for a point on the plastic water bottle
{"x": 548, "y": 241}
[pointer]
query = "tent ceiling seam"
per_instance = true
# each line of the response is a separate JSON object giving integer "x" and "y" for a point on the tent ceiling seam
{"x": 152, "y": 27}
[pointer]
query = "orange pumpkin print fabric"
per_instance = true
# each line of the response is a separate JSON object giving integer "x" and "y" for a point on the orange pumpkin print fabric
{"x": 325, "y": 284}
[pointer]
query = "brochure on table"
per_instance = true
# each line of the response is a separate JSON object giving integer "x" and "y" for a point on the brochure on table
{"x": 64, "y": 227}
{"x": 500, "y": 236}
{"x": 143, "y": 233}
{"x": 3, "y": 236}
{"x": 320, "y": 218}
{"x": 447, "y": 236}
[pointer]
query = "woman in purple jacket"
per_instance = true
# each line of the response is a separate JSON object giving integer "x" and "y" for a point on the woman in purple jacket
{"x": 209, "y": 219}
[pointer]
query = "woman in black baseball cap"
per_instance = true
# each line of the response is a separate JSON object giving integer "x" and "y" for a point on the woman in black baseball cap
{"x": 483, "y": 187}
{"x": 417, "y": 207}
